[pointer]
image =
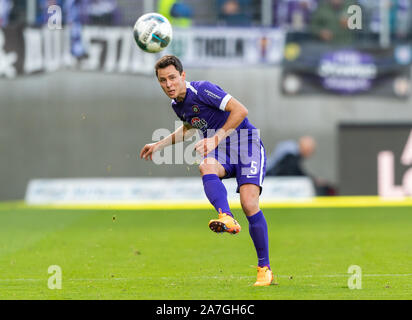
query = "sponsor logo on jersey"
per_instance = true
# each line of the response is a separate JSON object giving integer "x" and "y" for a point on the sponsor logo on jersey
{"x": 200, "y": 124}
{"x": 211, "y": 94}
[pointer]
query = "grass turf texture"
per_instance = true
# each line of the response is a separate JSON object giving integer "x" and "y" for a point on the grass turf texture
{"x": 169, "y": 254}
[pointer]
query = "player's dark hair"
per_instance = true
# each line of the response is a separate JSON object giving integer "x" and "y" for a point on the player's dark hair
{"x": 169, "y": 60}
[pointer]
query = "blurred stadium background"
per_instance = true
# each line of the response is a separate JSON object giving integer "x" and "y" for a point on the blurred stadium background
{"x": 80, "y": 101}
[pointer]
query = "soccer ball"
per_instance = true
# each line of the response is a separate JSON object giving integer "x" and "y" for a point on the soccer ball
{"x": 152, "y": 32}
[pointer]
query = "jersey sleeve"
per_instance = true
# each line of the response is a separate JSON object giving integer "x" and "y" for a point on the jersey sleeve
{"x": 213, "y": 96}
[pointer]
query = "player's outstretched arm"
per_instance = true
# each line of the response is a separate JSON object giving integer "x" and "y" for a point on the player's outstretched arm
{"x": 181, "y": 133}
{"x": 238, "y": 113}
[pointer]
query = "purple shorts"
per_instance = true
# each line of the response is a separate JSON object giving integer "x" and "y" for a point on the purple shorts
{"x": 243, "y": 157}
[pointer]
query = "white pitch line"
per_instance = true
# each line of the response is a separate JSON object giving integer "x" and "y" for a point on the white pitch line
{"x": 215, "y": 277}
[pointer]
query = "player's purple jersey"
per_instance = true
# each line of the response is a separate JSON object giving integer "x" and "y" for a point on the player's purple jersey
{"x": 242, "y": 154}
{"x": 204, "y": 107}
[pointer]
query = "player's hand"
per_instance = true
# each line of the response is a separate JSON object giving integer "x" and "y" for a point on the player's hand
{"x": 148, "y": 151}
{"x": 205, "y": 146}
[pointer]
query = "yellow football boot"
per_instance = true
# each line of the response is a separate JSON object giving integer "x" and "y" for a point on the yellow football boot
{"x": 225, "y": 223}
{"x": 264, "y": 277}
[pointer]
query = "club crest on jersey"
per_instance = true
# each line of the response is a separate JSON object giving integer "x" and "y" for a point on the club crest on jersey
{"x": 200, "y": 124}
{"x": 196, "y": 109}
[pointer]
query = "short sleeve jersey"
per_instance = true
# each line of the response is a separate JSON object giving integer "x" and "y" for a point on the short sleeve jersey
{"x": 204, "y": 107}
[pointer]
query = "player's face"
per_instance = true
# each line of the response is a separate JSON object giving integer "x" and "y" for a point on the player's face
{"x": 172, "y": 82}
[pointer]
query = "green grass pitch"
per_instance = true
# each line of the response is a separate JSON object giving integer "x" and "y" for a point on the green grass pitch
{"x": 171, "y": 254}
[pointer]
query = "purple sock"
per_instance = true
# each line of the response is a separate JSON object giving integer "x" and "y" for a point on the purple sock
{"x": 258, "y": 230}
{"x": 216, "y": 192}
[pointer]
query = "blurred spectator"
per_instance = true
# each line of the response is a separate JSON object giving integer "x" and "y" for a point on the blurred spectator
{"x": 97, "y": 12}
{"x": 330, "y": 21}
{"x": 5, "y": 9}
{"x": 42, "y": 10}
{"x": 293, "y": 13}
{"x": 287, "y": 156}
{"x": 234, "y": 12}
{"x": 286, "y": 160}
{"x": 75, "y": 14}
{"x": 178, "y": 13}
{"x": 103, "y": 12}
{"x": 73, "y": 9}
{"x": 399, "y": 18}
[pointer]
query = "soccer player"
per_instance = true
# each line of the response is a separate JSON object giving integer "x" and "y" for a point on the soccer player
{"x": 231, "y": 148}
